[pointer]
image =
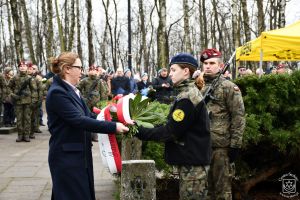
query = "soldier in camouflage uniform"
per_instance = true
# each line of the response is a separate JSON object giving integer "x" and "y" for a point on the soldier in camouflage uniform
{"x": 92, "y": 89}
{"x": 21, "y": 94}
{"x": 8, "y": 113}
{"x": 186, "y": 133}
{"x": 227, "y": 115}
{"x": 105, "y": 93}
{"x": 36, "y": 100}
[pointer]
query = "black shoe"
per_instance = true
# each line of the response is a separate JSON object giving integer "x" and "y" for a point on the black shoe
{"x": 95, "y": 140}
{"x": 26, "y": 139}
{"x": 19, "y": 139}
{"x": 38, "y": 131}
{"x": 32, "y": 137}
{"x": 42, "y": 124}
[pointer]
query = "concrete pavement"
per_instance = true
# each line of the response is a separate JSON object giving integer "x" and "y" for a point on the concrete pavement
{"x": 24, "y": 171}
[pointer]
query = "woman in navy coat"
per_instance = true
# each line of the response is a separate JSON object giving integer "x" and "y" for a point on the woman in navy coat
{"x": 70, "y": 124}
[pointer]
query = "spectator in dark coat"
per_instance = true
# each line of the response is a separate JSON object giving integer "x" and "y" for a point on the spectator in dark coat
{"x": 133, "y": 86}
{"x": 70, "y": 123}
{"x": 120, "y": 84}
{"x": 163, "y": 86}
{"x": 143, "y": 85}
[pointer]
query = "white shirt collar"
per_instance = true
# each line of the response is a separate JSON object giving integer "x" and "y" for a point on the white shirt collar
{"x": 73, "y": 87}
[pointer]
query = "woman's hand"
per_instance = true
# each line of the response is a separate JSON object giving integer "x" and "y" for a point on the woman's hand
{"x": 121, "y": 128}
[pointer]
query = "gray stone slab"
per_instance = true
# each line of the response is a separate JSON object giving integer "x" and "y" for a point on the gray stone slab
{"x": 20, "y": 172}
{"x": 4, "y": 182}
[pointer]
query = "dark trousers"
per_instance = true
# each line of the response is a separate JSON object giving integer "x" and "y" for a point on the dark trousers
{"x": 9, "y": 113}
{"x": 41, "y": 114}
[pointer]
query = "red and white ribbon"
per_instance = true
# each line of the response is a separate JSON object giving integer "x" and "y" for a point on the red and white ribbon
{"x": 108, "y": 145}
{"x": 123, "y": 109}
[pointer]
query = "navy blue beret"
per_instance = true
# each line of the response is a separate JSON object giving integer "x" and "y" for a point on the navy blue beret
{"x": 184, "y": 58}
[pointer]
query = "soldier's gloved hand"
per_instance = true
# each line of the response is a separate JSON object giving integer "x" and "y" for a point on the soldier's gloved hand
{"x": 233, "y": 154}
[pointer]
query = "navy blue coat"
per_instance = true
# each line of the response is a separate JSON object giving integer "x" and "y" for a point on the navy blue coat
{"x": 70, "y": 155}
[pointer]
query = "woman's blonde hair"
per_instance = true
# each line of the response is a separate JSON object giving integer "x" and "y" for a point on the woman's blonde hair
{"x": 199, "y": 81}
{"x": 64, "y": 59}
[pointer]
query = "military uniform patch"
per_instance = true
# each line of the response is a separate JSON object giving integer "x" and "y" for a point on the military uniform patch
{"x": 178, "y": 115}
{"x": 236, "y": 88}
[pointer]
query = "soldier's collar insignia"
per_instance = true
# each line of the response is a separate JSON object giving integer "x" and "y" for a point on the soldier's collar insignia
{"x": 178, "y": 115}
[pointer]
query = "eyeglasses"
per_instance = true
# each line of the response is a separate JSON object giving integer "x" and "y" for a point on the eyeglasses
{"x": 79, "y": 67}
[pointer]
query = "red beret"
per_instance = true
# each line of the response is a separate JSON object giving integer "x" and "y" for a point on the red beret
{"x": 93, "y": 67}
{"x": 22, "y": 63}
{"x": 210, "y": 53}
{"x": 29, "y": 64}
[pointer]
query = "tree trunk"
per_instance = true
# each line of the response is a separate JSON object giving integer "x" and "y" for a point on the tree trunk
{"x": 28, "y": 31}
{"x": 72, "y": 27}
{"x": 103, "y": 49}
{"x": 90, "y": 33}
{"x": 202, "y": 26}
{"x": 235, "y": 27}
{"x": 281, "y": 18}
{"x": 49, "y": 31}
{"x": 112, "y": 43}
{"x": 79, "y": 47}
{"x": 11, "y": 37}
{"x": 143, "y": 31}
{"x": 162, "y": 44}
{"x": 66, "y": 24}
{"x": 273, "y": 14}
{"x": 39, "y": 47}
{"x": 115, "y": 60}
{"x": 205, "y": 25}
{"x": 219, "y": 30}
{"x": 246, "y": 23}
{"x": 3, "y": 56}
{"x": 60, "y": 29}
{"x": 17, "y": 30}
{"x": 187, "y": 39}
{"x": 260, "y": 17}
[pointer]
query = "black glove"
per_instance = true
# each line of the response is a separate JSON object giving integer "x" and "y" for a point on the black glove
{"x": 233, "y": 154}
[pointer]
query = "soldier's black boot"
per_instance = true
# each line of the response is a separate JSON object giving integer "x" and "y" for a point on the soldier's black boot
{"x": 38, "y": 131}
{"x": 26, "y": 138}
{"x": 19, "y": 139}
{"x": 32, "y": 136}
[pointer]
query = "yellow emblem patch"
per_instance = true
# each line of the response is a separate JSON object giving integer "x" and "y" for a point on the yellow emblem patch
{"x": 178, "y": 115}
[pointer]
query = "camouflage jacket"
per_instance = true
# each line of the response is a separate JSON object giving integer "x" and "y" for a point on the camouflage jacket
{"x": 24, "y": 97}
{"x": 36, "y": 90}
{"x": 188, "y": 90}
{"x": 4, "y": 90}
{"x": 227, "y": 113}
{"x": 92, "y": 90}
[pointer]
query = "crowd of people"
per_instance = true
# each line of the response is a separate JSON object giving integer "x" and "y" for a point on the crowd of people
{"x": 202, "y": 138}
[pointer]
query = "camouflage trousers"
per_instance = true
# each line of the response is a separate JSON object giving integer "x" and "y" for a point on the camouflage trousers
{"x": 193, "y": 182}
{"x": 23, "y": 115}
{"x": 220, "y": 176}
{"x": 35, "y": 117}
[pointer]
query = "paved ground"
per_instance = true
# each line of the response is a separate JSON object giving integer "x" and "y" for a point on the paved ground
{"x": 24, "y": 172}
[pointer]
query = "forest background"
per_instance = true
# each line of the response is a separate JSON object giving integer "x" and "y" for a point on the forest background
{"x": 98, "y": 29}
